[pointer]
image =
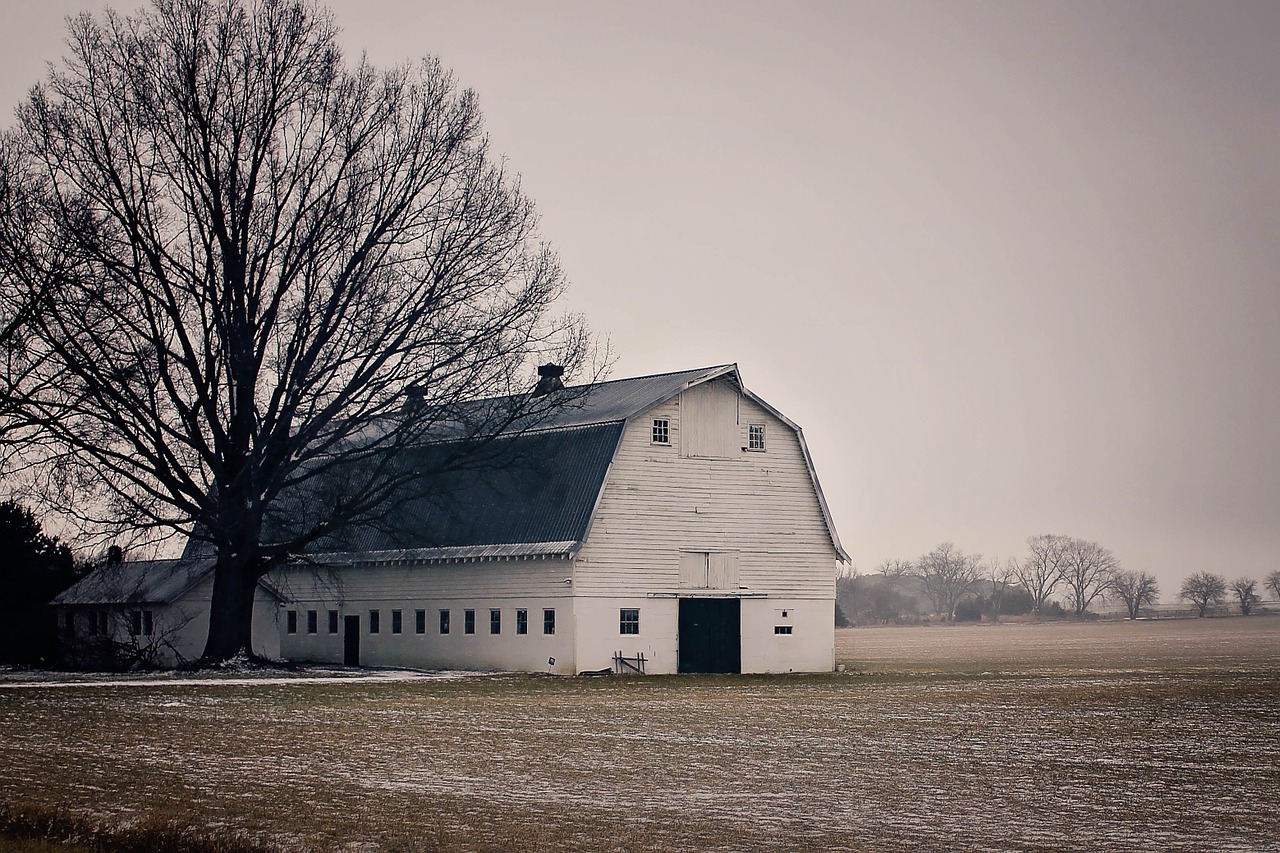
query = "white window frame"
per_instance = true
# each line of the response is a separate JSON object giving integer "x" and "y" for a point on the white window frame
{"x": 756, "y": 438}
{"x": 629, "y": 618}
{"x": 661, "y": 432}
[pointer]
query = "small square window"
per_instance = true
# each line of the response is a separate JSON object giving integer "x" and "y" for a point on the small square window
{"x": 549, "y": 620}
{"x": 495, "y": 621}
{"x": 311, "y": 622}
{"x": 333, "y": 621}
{"x": 755, "y": 437}
{"x": 661, "y": 431}
{"x": 375, "y": 621}
{"x": 420, "y": 621}
{"x": 468, "y": 621}
{"x": 522, "y": 621}
{"x": 444, "y": 621}
{"x": 629, "y": 620}
{"x": 290, "y": 622}
{"x": 397, "y": 621}
{"x": 782, "y": 629}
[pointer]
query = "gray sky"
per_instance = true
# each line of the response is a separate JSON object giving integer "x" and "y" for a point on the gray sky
{"x": 1014, "y": 267}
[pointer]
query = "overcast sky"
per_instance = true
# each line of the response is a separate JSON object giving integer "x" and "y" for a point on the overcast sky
{"x": 1014, "y": 267}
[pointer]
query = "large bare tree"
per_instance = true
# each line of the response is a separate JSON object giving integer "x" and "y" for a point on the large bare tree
{"x": 1246, "y": 592}
{"x": 251, "y": 275}
{"x": 948, "y": 575}
{"x": 1040, "y": 571}
{"x": 1087, "y": 571}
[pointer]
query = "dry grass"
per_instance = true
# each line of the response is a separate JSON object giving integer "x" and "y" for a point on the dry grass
{"x": 1161, "y": 736}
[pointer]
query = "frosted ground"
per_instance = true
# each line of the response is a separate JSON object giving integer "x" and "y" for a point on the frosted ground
{"x": 1149, "y": 736}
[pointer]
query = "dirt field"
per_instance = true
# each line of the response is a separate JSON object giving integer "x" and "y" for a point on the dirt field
{"x": 1147, "y": 736}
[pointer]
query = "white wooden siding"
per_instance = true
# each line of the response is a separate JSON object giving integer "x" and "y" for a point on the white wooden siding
{"x": 658, "y": 503}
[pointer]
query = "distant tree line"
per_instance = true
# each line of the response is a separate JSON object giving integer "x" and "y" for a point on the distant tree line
{"x": 957, "y": 586}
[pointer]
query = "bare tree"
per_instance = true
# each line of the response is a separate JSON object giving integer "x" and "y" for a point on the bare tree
{"x": 1272, "y": 584}
{"x": 894, "y": 569}
{"x": 1041, "y": 570}
{"x": 1246, "y": 591}
{"x": 1087, "y": 570}
{"x": 948, "y": 574}
{"x": 1136, "y": 590}
{"x": 1002, "y": 575}
{"x": 1204, "y": 589}
{"x": 259, "y": 276}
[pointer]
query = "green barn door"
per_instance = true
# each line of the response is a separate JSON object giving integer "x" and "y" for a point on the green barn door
{"x": 710, "y": 635}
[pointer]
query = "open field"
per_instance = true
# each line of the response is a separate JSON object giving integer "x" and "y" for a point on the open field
{"x": 1148, "y": 736}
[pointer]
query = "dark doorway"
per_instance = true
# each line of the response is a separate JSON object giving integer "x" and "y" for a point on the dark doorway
{"x": 351, "y": 640}
{"x": 710, "y": 635}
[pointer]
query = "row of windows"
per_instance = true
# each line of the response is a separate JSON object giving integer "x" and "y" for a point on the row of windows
{"x": 628, "y": 621}
{"x": 420, "y": 621}
{"x": 662, "y": 433}
{"x": 141, "y": 622}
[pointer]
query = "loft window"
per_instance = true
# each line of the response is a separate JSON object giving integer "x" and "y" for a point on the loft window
{"x": 290, "y": 622}
{"x": 375, "y": 621}
{"x": 629, "y": 620}
{"x": 333, "y": 621}
{"x": 755, "y": 437}
{"x": 782, "y": 629}
{"x": 444, "y": 621}
{"x": 495, "y": 621}
{"x": 311, "y": 622}
{"x": 468, "y": 621}
{"x": 661, "y": 431}
{"x": 522, "y": 621}
{"x": 549, "y": 620}
{"x": 397, "y": 621}
{"x": 420, "y": 621}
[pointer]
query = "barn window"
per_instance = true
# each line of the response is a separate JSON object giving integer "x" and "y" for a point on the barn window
{"x": 495, "y": 621}
{"x": 782, "y": 629}
{"x": 397, "y": 621}
{"x": 312, "y": 625}
{"x": 661, "y": 431}
{"x": 70, "y": 621}
{"x": 102, "y": 622}
{"x": 444, "y": 621}
{"x": 468, "y": 621}
{"x": 333, "y": 621}
{"x": 629, "y": 620}
{"x": 375, "y": 621}
{"x": 420, "y": 621}
{"x": 755, "y": 437}
{"x": 522, "y": 621}
{"x": 143, "y": 625}
{"x": 549, "y": 620}
{"x": 290, "y": 622}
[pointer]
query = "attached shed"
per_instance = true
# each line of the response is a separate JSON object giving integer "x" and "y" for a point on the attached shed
{"x": 151, "y": 613}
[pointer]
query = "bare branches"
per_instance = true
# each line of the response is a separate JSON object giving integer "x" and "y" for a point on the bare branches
{"x": 243, "y": 254}
{"x": 1246, "y": 592}
{"x": 1204, "y": 590}
{"x": 948, "y": 574}
{"x": 1040, "y": 571}
{"x": 1136, "y": 590}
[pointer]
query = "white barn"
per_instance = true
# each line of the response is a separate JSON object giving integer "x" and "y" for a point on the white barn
{"x": 675, "y": 519}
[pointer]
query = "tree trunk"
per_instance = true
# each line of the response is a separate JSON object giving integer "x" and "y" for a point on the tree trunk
{"x": 231, "y": 610}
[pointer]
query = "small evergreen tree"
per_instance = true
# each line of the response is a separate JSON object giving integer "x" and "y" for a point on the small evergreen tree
{"x": 34, "y": 569}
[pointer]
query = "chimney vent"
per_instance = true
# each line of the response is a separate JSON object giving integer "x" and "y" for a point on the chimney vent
{"x": 548, "y": 379}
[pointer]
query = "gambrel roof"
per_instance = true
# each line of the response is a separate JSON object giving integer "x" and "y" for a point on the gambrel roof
{"x": 540, "y": 500}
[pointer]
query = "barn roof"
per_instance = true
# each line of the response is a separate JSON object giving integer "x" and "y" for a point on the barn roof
{"x": 140, "y": 582}
{"x": 535, "y": 493}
